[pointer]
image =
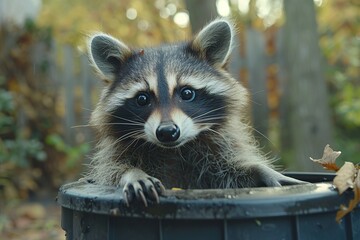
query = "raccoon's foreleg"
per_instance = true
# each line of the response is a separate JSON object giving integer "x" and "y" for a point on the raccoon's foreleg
{"x": 139, "y": 185}
{"x": 264, "y": 175}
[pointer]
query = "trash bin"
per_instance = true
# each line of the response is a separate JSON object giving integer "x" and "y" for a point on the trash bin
{"x": 306, "y": 211}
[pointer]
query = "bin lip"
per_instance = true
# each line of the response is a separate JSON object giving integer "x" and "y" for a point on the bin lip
{"x": 210, "y": 203}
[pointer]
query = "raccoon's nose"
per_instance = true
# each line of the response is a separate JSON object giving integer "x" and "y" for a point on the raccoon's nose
{"x": 168, "y": 133}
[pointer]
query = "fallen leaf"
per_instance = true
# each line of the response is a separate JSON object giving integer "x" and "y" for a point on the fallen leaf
{"x": 345, "y": 177}
{"x": 354, "y": 202}
{"x": 31, "y": 211}
{"x": 328, "y": 159}
{"x": 341, "y": 212}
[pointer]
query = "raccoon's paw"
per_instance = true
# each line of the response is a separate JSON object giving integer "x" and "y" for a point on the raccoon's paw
{"x": 271, "y": 178}
{"x": 141, "y": 187}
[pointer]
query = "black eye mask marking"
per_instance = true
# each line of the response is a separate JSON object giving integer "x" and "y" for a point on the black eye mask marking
{"x": 204, "y": 107}
{"x": 129, "y": 119}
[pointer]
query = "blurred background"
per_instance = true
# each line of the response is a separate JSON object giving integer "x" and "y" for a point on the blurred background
{"x": 300, "y": 60}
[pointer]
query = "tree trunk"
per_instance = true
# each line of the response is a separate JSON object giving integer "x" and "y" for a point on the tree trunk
{"x": 309, "y": 113}
{"x": 256, "y": 59}
{"x": 18, "y": 11}
{"x": 201, "y": 12}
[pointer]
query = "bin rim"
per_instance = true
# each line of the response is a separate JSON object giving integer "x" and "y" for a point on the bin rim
{"x": 241, "y": 203}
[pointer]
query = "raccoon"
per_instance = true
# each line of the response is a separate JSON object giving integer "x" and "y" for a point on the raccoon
{"x": 172, "y": 116}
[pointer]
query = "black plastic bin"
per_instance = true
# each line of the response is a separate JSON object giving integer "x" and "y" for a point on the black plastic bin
{"x": 292, "y": 212}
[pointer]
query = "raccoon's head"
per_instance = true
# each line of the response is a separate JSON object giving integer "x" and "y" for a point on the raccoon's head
{"x": 166, "y": 95}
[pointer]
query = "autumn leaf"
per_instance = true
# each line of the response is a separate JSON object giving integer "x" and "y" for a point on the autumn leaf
{"x": 345, "y": 177}
{"x": 354, "y": 202}
{"x": 348, "y": 176}
{"x": 328, "y": 159}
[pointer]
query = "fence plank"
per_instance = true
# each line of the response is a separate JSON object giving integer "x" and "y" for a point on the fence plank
{"x": 86, "y": 79}
{"x": 256, "y": 59}
{"x": 69, "y": 93}
{"x": 285, "y": 134}
{"x": 308, "y": 98}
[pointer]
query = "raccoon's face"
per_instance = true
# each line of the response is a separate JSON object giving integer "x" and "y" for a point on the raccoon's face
{"x": 166, "y": 95}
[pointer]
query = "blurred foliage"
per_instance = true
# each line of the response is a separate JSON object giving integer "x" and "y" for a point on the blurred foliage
{"x": 28, "y": 116}
{"x": 15, "y": 151}
{"x": 136, "y": 22}
{"x": 340, "y": 43}
{"x": 73, "y": 153}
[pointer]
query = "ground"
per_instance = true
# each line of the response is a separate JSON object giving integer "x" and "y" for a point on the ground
{"x": 31, "y": 221}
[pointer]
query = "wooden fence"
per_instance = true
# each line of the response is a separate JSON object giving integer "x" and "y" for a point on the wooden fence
{"x": 79, "y": 90}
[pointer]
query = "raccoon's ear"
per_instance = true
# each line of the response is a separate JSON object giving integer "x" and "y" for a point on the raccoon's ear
{"x": 107, "y": 54}
{"x": 214, "y": 42}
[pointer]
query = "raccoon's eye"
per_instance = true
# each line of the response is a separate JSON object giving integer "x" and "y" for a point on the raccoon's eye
{"x": 187, "y": 94}
{"x": 142, "y": 99}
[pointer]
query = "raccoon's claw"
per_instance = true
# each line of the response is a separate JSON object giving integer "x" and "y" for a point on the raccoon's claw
{"x": 154, "y": 194}
{"x": 143, "y": 199}
{"x": 126, "y": 195}
{"x": 159, "y": 186}
{"x": 141, "y": 189}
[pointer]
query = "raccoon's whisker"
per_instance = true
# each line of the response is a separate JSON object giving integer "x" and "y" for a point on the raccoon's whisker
{"x": 127, "y": 135}
{"x": 85, "y": 125}
{"x": 186, "y": 147}
{"x": 261, "y": 134}
{"x": 219, "y": 134}
{"x": 137, "y": 116}
{"x": 192, "y": 116}
{"x": 91, "y": 142}
{"x": 128, "y": 146}
{"x": 180, "y": 152}
{"x": 202, "y": 115}
{"x": 128, "y": 124}
{"x": 87, "y": 109}
{"x": 131, "y": 143}
{"x": 143, "y": 144}
{"x": 209, "y": 119}
{"x": 113, "y": 144}
{"x": 108, "y": 124}
{"x": 126, "y": 119}
{"x": 208, "y": 112}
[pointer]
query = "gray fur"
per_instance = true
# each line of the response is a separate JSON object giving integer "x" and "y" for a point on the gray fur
{"x": 215, "y": 41}
{"x": 106, "y": 55}
{"x": 215, "y": 156}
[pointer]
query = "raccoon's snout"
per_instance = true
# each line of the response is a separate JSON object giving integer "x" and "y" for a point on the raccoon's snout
{"x": 167, "y": 133}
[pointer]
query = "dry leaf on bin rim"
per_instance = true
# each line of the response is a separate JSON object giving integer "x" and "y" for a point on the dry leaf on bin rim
{"x": 348, "y": 176}
{"x": 354, "y": 202}
{"x": 345, "y": 177}
{"x": 328, "y": 159}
